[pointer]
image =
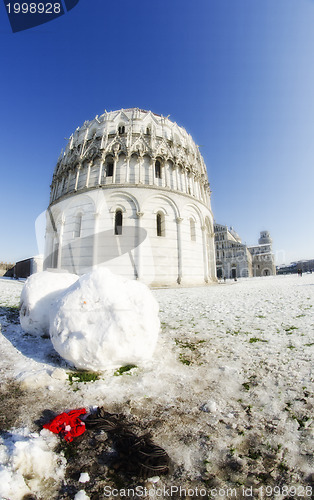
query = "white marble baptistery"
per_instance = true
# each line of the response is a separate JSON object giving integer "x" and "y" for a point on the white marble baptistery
{"x": 131, "y": 192}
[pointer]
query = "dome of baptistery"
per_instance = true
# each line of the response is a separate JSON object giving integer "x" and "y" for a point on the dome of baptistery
{"x": 130, "y": 192}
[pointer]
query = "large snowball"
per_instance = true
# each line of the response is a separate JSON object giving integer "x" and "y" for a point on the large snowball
{"x": 40, "y": 291}
{"x": 105, "y": 321}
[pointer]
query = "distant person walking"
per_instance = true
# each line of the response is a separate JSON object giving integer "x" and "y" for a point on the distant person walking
{"x": 300, "y": 272}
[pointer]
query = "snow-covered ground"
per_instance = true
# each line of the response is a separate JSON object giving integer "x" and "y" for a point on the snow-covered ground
{"x": 228, "y": 394}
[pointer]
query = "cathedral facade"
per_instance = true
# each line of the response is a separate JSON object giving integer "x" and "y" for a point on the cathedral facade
{"x": 131, "y": 192}
{"x": 235, "y": 259}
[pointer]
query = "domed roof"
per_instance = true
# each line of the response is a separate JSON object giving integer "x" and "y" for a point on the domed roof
{"x": 117, "y": 130}
{"x": 130, "y": 132}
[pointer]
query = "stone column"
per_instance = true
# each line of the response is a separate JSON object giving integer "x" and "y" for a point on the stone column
{"x": 95, "y": 243}
{"x": 198, "y": 188}
{"x": 100, "y": 171}
{"x": 62, "y": 185}
{"x": 177, "y": 179}
{"x": 88, "y": 173}
{"x": 115, "y": 161}
{"x": 59, "y": 261}
{"x": 127, "y": 169}
{"x": 205, "y": 253}
{"x": 208, "y": 195}
{"x": 186, "y": 181}
{"x": 77, "y": 176}
{"x": 196, "y": 194}
{"x": 68, "y": 181}
{"x": 153, "y": 170}
{"x": 137, "y": 250}
{"x": 53, "y": 192}
{"x": 140, "y": 167}
{"x": 57, "y": 187}
{"x": 194, "y": 187}
{"x": 165, "y": 172}
{"x": 189, "y": 190}
{"x": 179, "y": 242}
{"x": 203, "y": 193}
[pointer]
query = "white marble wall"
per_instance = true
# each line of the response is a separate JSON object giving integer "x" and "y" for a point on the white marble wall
{"x": 158, "y": 260}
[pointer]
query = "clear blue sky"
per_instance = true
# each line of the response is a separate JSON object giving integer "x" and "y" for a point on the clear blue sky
{"x": 237, "y": 74}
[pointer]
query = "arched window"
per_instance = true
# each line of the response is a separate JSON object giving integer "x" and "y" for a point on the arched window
{"x": 109, "y": 167}
{"x": 192, "y": 229}
{"x": 157, "y": 169}
{"x": 78, "y": 226}
{"x": 160, "y": 224}
{"x": 147, "y": 131}
{"x": 121, "y": 129}
{"x": 118, "y": 219}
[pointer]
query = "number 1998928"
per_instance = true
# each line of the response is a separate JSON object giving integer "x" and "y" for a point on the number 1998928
{"x": 33, "y": 8}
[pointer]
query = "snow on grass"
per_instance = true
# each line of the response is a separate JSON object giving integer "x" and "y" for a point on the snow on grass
{"x": 29, "y": 464}
{"x": 228, "y": 393}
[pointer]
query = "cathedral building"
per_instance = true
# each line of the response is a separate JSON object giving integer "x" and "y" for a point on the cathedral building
{"x": 235, "y": 259}
{"x": 131, "y": 192}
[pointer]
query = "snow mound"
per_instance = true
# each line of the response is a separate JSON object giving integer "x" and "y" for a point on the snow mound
{"x": 40, "y": 291}
{"x": 105, "y": 321}
{"x": 29, "y": 463}
{"x": 81, "y": 495}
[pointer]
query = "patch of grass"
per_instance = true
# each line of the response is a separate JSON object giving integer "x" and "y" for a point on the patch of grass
{"x": 283, "y": 467}
{"x": 289, "y": 329}
{"x": 184, "y": 361}
{"x": 256, "y": 339}
{"x": 300, "y": 316}
{"x": 254, "y": 454}
{"x": 301, "y": 421}
{"x": 248, "y": 410}
{"x": 309, "y": 345}
{"x": 260, "y": 316}
{"x": 83, "y": 377}
{"x": 291, "y": 347}
{"x": 12, "y": 314}
{"x": 68, "y": 450}
{"x": 188, "y": 345}
{"x": 236, "y": 332}
{"x": 246, "y": 386}
{"x": 123, "y": 369}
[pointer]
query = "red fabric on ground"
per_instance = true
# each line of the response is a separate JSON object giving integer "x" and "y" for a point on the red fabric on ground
{"x": 68, "y": 424}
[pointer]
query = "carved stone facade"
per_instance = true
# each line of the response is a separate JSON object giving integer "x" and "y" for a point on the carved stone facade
{"x": 131, "y": 192}
{"x": 234, "y": 259}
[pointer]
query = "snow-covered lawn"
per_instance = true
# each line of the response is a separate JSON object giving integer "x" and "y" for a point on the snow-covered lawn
{"x": 228, "y": 394}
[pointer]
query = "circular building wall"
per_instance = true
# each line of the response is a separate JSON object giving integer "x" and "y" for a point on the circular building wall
{"x": 131, "y": 192}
